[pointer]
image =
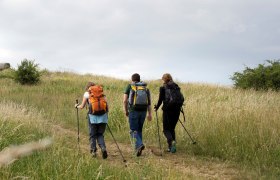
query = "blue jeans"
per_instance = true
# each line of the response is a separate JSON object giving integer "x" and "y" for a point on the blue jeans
{"x": 136, "y": 122}
{"x": 96, "y": 132}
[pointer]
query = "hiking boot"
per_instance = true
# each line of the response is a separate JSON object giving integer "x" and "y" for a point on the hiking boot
{"x": 93, "y": 153}
{"x": 173, "y": 147}
{"x": 139, "y": 150}
{"x": 104, "y": 154}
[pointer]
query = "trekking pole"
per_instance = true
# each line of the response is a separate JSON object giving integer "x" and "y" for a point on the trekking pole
{"x": 78, "y": 124}
{"x": 182, "y": 111}
{"x": 116, "y": 142}
{"x": 158, "y": 134}
{"x": 194, "y": 142}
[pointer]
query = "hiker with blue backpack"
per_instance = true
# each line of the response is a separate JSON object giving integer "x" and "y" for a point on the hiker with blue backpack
{"x": 136, "y": 103}
{"x": 97, "y": 117}
{"x": 172, "y": 99}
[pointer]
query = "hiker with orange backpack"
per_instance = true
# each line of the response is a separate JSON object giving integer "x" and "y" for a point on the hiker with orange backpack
{"x": 136, "y": 103}
{"x": 97, "y": 117}
{"x": 172, "y": 99}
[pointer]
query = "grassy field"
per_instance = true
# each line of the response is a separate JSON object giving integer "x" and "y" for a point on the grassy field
{"x": 230, "y": 126}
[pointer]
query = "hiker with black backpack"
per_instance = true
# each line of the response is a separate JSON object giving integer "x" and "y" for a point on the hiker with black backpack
{"x": 136, "y": 103}
{"x": 172, "y": 99}
{"x": 97, "y": 117}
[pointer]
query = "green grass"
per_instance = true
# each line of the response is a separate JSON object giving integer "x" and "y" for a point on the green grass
{"x": 20, "y": 124}
{"x": 232, "y": 125}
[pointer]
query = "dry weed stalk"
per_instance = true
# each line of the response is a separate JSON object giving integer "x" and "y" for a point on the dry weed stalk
{"x": 11, "y": 154}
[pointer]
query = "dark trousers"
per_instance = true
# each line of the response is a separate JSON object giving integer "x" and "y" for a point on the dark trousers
{"x": 96, "y": 132}
{"x": 170, "y": 119}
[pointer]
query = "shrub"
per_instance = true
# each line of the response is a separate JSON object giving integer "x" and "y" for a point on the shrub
{"x": 263, "y": 77}
{"x": 27, "y": 73}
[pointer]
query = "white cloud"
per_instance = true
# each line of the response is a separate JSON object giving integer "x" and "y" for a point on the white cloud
{"x": 5, "y": 53}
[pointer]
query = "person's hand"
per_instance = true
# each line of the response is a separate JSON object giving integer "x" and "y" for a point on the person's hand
{"x": 155, "y": 107}
{"x": 76, "y": 105}
{"x": 149, "y": 117}
{"x": 126, "y": 113}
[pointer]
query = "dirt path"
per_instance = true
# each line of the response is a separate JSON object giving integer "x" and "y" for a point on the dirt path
{"x": 185, "y": 164}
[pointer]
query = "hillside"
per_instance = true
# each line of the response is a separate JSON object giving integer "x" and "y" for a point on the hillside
{"x": 236, "y": 132}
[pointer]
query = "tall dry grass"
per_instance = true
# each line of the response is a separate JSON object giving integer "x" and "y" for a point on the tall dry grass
{"x": 30, "y": 113}
{"x": 22, "y": 132}
{"x": 236, "y": 125}
{"x": 230, "y": 124}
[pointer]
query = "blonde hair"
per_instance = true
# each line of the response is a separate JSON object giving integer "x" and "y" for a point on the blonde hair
{"x": 166, "y": 77}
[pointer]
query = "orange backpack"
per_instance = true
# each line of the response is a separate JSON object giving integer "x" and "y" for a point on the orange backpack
{"x": 97, "y": 101}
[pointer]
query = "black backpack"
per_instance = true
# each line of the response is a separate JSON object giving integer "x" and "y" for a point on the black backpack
{"x": 173, "y": 96}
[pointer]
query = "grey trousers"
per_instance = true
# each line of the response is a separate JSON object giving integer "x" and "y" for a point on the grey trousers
{"x": 96, "y": 134}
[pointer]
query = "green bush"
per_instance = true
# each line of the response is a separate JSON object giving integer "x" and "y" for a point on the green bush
{"x": 263, "y": 77}
{"x": 27, "y": 73}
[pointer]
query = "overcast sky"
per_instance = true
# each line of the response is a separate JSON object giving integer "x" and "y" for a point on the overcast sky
{"x": 194, "y": 40}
